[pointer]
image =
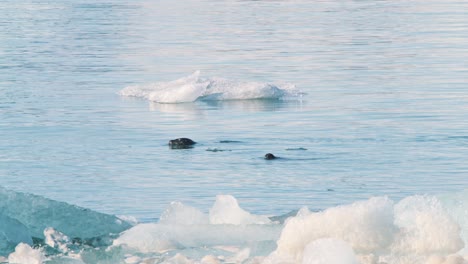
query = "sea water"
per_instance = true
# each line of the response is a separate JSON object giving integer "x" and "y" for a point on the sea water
{"x": 364, "y": 102}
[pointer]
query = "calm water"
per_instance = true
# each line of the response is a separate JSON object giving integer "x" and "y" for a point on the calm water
{"x": 385, "y": 108}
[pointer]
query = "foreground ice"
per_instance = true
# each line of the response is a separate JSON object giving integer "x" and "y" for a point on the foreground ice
{"x": 193, "y": 87}
{"x": 417, "y": 229}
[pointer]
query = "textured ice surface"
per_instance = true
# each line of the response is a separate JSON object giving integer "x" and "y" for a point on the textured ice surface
{"x": 12, "y": 232}
{"x": 37, "y": 213}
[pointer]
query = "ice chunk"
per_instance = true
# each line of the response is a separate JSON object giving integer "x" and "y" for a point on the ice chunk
{"x": 452, "y": 259}
{"x": 182, "y": 226}
{"x": 329, "y": 251}
{"x": 24, "y": 254}
{"x": 56, "y": 239}
{"x": 160, "y": 238}
{"x": 129, "y": 219}
{"x": 416, "y": 230}
{"x": 149, "y": 238}
{"x": 222, "y": 89}
{"x": 192, "y": 88}
{"x": 456, "y": 205}
{"x": 145, "y": 91}
{"x": 226, "y": 210}
{"x": 186, "y": 89}
{"x": 240, "y": 257}
{"x": 426, "y": 227}
{"x": 179, "y": 259}
{"x": 209, "y": 259}
{"x": 181, "y": 214}
{"x": 179, "y": 94}
{"x": 366, "y": 226}
{"x": 38, "y": 213}
{"x": 12, "y": 232}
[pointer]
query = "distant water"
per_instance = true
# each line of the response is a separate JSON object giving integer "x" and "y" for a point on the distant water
{"x": 359, "y": 99}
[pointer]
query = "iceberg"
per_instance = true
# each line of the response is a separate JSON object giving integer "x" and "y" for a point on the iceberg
{"x": 192, "y": 88}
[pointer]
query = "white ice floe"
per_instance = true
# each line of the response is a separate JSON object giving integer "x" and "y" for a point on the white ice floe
{"x": 193, "y": 87}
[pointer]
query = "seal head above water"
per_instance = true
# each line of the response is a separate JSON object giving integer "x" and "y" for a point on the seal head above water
{"x": 181, "y": 143}
{"x": 270, "y": 156}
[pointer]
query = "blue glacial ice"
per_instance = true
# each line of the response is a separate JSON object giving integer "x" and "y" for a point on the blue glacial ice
{"x": 26, "y": 216}
{"x": 12, "y": 232}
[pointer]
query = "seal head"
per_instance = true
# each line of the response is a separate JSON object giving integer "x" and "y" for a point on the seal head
{"x": 270, "y": 156}
{"x": 181, "y": 143}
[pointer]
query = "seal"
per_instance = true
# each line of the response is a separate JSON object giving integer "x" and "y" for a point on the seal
{"x": 181, "y": 143}
{"x": 270, "y": 156}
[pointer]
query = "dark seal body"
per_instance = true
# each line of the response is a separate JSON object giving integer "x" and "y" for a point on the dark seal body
{"x": 181, "y": 143}
{"x": 270, "y": 156}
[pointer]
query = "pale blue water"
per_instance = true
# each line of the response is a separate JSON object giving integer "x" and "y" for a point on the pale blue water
{"x": 384, "y": 112}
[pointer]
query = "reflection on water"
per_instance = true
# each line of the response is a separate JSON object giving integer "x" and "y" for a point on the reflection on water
{"x": 182, "y": 108}
{"x": 198, "y": 108}
{"x": 256, "y": 105}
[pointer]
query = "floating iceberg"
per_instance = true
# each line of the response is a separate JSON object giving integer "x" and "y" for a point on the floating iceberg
{"x": 193, "y": 87}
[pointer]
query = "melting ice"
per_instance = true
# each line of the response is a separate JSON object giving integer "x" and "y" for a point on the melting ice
{"x": 417, "y": 229}
{"x": 193, "y": 87}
